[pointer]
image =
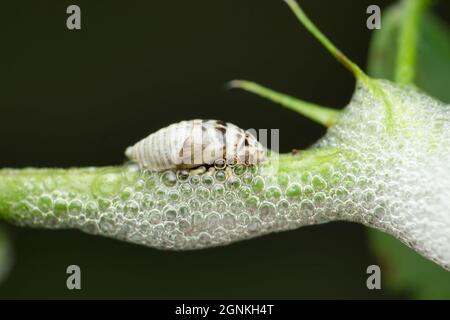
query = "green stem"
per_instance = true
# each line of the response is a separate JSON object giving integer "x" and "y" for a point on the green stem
{"x": 320, "y": 114}
{"x": 407, "y": 41}
{"x": 23, "y": 190}
{"x": 64, "y": 194}
{"x": 311, "y": 27}
{"x": 364, "y": 79}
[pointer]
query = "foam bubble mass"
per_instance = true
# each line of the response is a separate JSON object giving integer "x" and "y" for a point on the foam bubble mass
{"x": 394, "y": 179}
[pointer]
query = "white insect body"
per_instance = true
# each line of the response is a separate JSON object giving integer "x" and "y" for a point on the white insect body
{"x": 193, "y": 143}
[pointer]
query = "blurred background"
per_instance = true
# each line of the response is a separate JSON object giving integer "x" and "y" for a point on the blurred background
{"x": 79, "y": 98}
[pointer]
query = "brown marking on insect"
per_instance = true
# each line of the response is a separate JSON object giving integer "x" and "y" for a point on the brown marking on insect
{"x": 194, "y": 143}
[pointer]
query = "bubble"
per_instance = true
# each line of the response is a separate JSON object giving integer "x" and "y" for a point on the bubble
{"x": 107, "y": 225}
{"x": 183, "y": 175}
{"x": 184, "y": 226}
{"x": 229, "y": 221}
{"x": 318, "y": 183}
{"x": 195, "y": 180}
{"x": 283, "y": 206}
{"x": 237, "y": 206}
{"x": 169, "y": 179}
{"x": 239, "y": 170}
{"x": 174, "y": 196}
{"x": 283, "y": 180}
{"x": 252, "y": 202}
{"x": 126, "y": 193}
{"x": 160, "y": 194}
{"x": 245, "y": 192}
{"x": 208, "y": 206}
{"x": 104, "y": 204}
{"x": 220, "y": 164}
{"x": 202, "y": 193}
{"x": 106, "y": 184}
{"x": 155, "y": 217}
{"x": 258, "y": 184}
{"x": 90, "y": 226}
{"x": 247, "y": 178}
{"x": 183, "y": 211}
{"x": 221, "y": 205}
{"x": 171, "y": 214}
{"x": 273, "y": 193}
{"x": 254, "y": 225}
{"x": 267, "y": 211}
{"x": 60, "y": 207}
{"x": 234, "y": 183}
{"x": 207, "y": 180}
{"x": 319, "y": 197}
{"x": 194, "y": 204}
{"x": 218, "y": 191}
{"x": 170, "y": 226}
{"x": 197, "y": 221}
{"x": 185, "y": 190}
{"x": 91, "y": 210}
{"x": 45, "y": 203}
{"x": 131, "y": 208}
{"x": 139, "y": 185}
{"x": 294, "y": 190}
{"x": 150, "y": 182}
{"x": 212, "y": 221}
{"x": 75, "y": 207}
{"x": 220, "y": 176}
{"x": 204, "y": 238}
{"x": 148, "y": 201}
{"x": 308, "y": 191}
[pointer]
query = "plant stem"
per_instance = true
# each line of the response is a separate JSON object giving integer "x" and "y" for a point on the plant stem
{"x": 27, "y": 193}
{"x": 364, "y": 79}
{"x": 311, "y": 27}
{"x": 320, "y": 114}
{"x": 407, "y": 41}
{"x": 22, "y": 189}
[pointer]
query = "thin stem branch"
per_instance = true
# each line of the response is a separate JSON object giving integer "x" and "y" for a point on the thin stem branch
{"x": 312, "y": 28}
{"x": 320, "y": 114}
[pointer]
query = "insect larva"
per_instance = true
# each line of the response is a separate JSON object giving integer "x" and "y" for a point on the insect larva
{"x": 193, "y": 143}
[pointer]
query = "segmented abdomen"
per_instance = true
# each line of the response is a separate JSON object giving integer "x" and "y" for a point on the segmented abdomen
{"x": 193, "y": 143}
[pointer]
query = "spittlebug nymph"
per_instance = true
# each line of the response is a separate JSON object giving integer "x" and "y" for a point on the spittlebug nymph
{"x": 195, "y": 143}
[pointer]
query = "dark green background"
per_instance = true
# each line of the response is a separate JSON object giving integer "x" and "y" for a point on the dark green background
{"x": 78, "y": 98}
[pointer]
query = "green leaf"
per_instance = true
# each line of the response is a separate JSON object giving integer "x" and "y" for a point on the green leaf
{"x": 404, "y": 271}
{"x": 5, "y": 254}
{"x": 433, "y": 52}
